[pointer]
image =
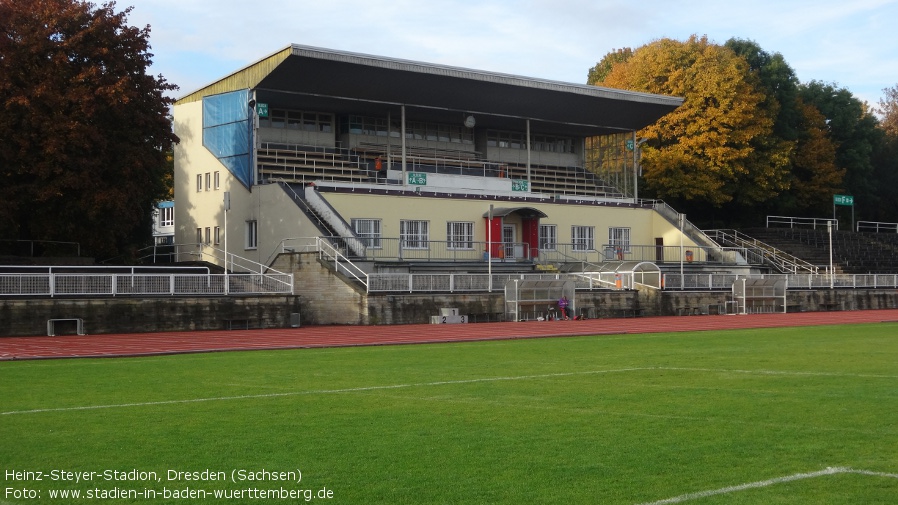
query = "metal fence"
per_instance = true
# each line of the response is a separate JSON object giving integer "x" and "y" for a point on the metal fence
{"x": 724, "y": 282}
{"x": 94, "y": 284}
{"x": 483, "y": 283}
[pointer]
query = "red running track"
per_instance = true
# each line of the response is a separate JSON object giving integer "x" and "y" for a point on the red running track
{"x": 147, "y": 344}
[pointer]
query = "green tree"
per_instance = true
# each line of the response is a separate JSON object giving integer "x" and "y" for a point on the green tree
{"x": 814, "y": 173}
{"x": 856, "y": 133}
{"x": 719, "y": 146}
{"x": 885, "y": 160}
{"x": 84, "y": 130}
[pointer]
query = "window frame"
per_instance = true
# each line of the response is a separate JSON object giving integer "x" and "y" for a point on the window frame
{"x": 619, "y": 236}
{"x": 417, "y": 238}
{"x": 369, "y": 231}
{"x": 252, "y": 235}
{"x": 583, "y": 238}
{"x": 548, "y": 243}
{"x": 460, "y": 235}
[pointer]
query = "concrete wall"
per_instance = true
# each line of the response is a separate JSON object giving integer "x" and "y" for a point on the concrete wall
{"x": 328, "y": 298}
{"x": 136, "y": 315}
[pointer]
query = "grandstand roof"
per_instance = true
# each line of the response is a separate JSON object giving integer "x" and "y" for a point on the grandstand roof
{"x": 311, "y": 78}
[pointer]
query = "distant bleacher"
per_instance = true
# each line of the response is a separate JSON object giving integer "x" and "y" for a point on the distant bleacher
{"x": 853, "y": 252}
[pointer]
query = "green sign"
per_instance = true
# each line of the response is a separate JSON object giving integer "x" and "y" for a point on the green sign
{"x": 843, "y": 200}
{"x": 417, "y": 178}
{"x": 630, "y": 145}
{"x": 520, "y": 185}
{"x": 262, "y": 109}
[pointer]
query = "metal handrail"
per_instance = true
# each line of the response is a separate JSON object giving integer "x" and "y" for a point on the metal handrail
{"x": 801, "y": 222}
{"x": 877, "y": 227}
{"x": 781, "y": 260}
{"x": 329, "y": 253}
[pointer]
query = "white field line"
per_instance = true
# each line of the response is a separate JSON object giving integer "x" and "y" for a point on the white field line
{"x": 768, "y": 482}
{"x": 425, "y": 384}
{"x": 321, "y": 391}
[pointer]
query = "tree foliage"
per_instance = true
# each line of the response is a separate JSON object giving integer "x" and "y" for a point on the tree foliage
{"x": 84, "y": 129}
{"x": 750, "y": 138}
{"x": 888, "y": 107}
{"x": 719, "y": 145}
{"x": 857, "y": 135}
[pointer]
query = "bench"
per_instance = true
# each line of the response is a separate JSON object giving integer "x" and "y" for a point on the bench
{"x": 237, "y": 323}
{"x": 51, "y": 325}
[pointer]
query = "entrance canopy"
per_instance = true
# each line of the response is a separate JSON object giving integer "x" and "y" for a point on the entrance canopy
{"x": 526, "y": 212}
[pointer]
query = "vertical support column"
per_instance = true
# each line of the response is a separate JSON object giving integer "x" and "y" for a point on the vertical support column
{"x": 528, "y": 153}
{"x": 635, "y": 170}
{"x": 389, "y": 137}
{"x": 402, "y": 140}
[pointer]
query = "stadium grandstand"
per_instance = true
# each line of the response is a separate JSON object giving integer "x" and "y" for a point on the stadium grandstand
{"x": 360, "y": 189}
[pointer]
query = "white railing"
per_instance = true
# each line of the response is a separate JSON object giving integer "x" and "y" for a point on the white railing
{"x": 759, "y": 253}
{"x": 464, "y": 282}
{"x": 341, "y": 263}
{"x": 876, "y": 227}
{"x": 724, "y": 282}
{"x": 96, "y": 284}
{"x": 801, "y": 222}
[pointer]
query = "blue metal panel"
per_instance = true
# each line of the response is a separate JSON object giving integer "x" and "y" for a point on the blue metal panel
{"x": 227, "y": 131}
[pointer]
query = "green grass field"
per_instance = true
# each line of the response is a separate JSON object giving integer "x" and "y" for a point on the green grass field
{"x": 796, "y": 415}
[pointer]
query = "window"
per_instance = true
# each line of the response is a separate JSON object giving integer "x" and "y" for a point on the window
{"x": 548, "y": 237}
{"x": 460, "y": 235}
{"x": 208, "y": 181}
{"x": 368, "y": 230}
{"x": 515, "y": 140}
{"x": 217, "y": 179}
{"x": 583, "y": 238}
{"x": 416, "y": 130}
{"x": 413, "y": 234}
{"x": 199, "y": 235}
{"x": 167, "y": 216}
{"x": 252, "y": 234}
{"x": 208, "y": 236}
{"x": 199, "y": 182}
{"x": 619, "y": 237}
{"x": 297, "y": 120}
{"x": 217, "y": 235}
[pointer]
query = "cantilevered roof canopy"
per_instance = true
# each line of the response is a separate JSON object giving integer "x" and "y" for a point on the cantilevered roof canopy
{"x": 312, "y": 78}
{"x": 521, "y": 211}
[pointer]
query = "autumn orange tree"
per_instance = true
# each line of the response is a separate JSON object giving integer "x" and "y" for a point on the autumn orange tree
{"x": 719, "y": 146}
{"x": 84, "y": 129}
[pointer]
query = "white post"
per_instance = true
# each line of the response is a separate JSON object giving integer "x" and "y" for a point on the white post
{"x": 829, "y": 228}
{"x": 528, "y": 153}
{"x": 489, "y": 248}
{"x": 635, "y": 171}
{"x": 402, "y": 142}
{"x": 227, "y": 207}
{"x": 682, "y": 279}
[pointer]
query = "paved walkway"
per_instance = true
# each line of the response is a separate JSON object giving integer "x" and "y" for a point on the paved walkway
{"x": 146, "y": 344}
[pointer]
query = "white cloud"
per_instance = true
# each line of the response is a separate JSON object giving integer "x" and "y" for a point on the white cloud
{"x": 852, "y": 43}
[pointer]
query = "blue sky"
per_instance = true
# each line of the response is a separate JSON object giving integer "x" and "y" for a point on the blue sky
{"x": 851, "y": 43}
